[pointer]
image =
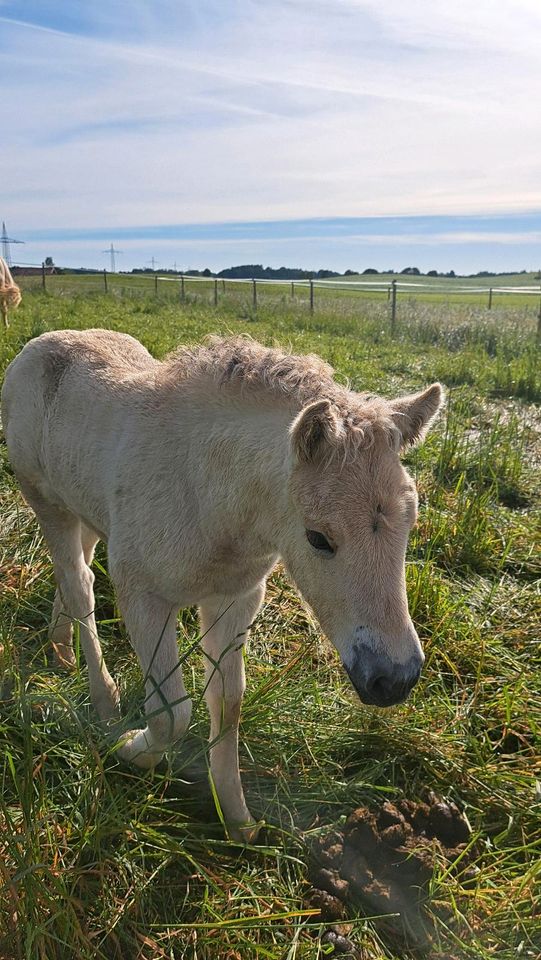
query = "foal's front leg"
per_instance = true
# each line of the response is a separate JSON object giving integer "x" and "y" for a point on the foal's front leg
{"x": 151, "y": 624}
{"x": 225, "y": 622}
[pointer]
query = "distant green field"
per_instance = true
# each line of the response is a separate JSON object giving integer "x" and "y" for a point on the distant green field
{"x": 424, "y": 289}
{"x": 102, "y": 862}
{"x": 510, "y": 280}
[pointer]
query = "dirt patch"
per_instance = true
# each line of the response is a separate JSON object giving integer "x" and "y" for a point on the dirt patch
{"x": 382, "y": 862}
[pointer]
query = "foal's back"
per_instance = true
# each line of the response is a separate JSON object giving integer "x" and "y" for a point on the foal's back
{"x": 45, "y": 361}
{"x": 55, "y": 383}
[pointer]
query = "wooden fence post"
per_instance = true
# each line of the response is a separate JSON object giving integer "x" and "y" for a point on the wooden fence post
{"x": 539, "y": 325}
{"x": 311, "y": 296}
{"x": 223, "y": 286}
{"x": 182, "y": 291}
{"x": 216, "y": 293}
{"x": 393, "y": 307}
{"x": 105, "y": 279}
{"x": 254, "y": 293}
{"x": 43, "y": 284}
{"x": 490, "y": 299}
{"x": 156, "y": 284}
{"x": 292, "y": 291}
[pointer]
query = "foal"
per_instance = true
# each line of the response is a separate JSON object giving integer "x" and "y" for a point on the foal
{"x": 200, "y": 473}
{"x": 10, "y": 295}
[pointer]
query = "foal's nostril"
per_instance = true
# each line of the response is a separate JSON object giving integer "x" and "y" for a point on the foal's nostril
{"x": 378, "y": 680}
{"x": 385, "y": 690}
{"x": 379, "y": 687}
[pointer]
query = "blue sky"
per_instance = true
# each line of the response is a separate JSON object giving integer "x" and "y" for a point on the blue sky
{"x": 337, "y": 133}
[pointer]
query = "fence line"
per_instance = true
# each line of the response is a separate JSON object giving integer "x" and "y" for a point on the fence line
{"x": 391, "y": 289}
{"x": 384, "y": 286}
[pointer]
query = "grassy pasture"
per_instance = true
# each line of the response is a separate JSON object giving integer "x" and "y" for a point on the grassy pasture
{"x": 442, "y": 290}
{"x": 506, "y": 280}
{"x": 97, "y": 860}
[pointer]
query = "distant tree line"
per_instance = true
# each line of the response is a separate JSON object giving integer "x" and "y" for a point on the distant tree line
{"x": 256, "y": 271}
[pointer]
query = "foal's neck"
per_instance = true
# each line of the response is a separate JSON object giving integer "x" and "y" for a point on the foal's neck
{"x": 250, "y": 443}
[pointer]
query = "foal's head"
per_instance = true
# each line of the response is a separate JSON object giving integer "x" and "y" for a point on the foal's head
{"x": 351, "y": 508}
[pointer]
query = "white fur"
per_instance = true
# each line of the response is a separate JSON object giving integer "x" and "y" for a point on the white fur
{"x": 200, "y": 473}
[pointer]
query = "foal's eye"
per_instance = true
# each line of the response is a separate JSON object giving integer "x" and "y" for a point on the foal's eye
{"x": 317, "y": 540}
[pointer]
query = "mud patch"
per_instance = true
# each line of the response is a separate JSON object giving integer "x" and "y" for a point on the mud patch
{"x": 382, "y": 862}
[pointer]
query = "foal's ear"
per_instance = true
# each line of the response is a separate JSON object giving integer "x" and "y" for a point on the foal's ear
{"x": 414, "y": 413}
{"x": 315, "y": 431}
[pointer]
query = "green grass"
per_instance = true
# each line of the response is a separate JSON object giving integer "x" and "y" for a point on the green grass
{"x": 452, "y": 292}
{"x": 97, "y": 860}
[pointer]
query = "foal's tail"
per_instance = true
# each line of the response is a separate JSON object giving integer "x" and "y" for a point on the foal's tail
{"x": 10, "y": 294}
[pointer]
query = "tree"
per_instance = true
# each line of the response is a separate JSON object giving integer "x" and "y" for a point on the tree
{"x": 369, "y": 270}
{"x": 432, "y": 273}
{"x": 326, "y": 274}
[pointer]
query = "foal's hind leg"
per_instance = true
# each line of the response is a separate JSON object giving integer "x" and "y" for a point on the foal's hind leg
{"x": 225, "y": 622}
{"x": 61, "y": 626}
{"x": 61, "y": 634}
{"x": 151, "y": 624}
{"x": 62, "y": 531}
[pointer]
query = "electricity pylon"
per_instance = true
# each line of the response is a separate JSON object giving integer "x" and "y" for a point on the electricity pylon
{"x": 112, "y": 253}
{"x": 6, "y": 243}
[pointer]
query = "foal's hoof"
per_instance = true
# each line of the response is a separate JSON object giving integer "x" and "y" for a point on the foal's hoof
{"x": 134, "y": 747}
{"x": 246, "y": 833}
{"x": 64, "y": 656}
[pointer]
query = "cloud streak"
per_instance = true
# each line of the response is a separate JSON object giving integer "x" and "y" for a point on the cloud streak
{"x": 464, "y": 244}
{"x": 135, "y": 114}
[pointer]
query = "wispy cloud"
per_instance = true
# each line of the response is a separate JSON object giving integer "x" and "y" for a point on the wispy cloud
{"x": 130, "y": 114}
{"x": 462, "y": 243}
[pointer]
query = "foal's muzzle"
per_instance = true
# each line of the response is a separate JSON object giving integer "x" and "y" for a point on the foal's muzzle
{"x": 380, "y": 682}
